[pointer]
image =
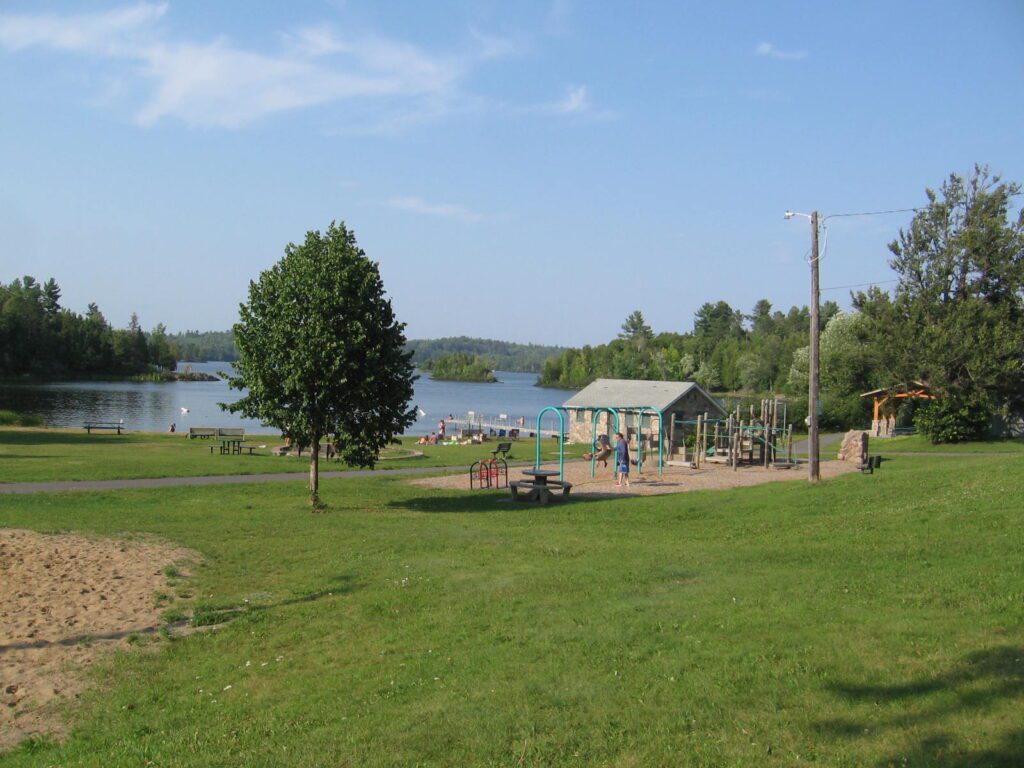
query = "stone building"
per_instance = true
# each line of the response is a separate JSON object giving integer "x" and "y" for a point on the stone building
{"x": 638, "y": 404}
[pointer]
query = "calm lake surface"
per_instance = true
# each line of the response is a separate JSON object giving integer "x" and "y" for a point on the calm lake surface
{"x": 154, "y": 407}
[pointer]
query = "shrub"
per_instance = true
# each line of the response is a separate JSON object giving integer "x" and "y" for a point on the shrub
{"x": 13, "y": 419}
{"x": 954, "y": 419}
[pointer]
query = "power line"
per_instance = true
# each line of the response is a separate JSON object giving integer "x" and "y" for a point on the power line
{"x": 893, "y": 210}
{"x": 861, "y": 285}
{"x": 873, "y": 213}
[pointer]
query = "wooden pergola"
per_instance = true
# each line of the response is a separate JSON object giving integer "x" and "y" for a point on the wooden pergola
{"x": 888, "y": 399}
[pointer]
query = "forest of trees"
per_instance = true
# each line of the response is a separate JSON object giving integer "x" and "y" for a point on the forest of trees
{"x": 201, "y": 346}
{"x": 505, "y": 355}
{"x": 40, "y": 338}
{"x": 726, "y": 351}
{"x": 204, "y": 346}
{"x": 461, "y": 366}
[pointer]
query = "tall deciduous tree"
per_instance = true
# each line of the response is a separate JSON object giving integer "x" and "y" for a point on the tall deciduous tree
{"x": 322, "y": 354}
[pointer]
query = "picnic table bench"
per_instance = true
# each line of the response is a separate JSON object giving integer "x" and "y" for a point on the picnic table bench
{"x": 541, "y": 488}
{"x": 91, "y": 425}
{"x": 218, "y": 433}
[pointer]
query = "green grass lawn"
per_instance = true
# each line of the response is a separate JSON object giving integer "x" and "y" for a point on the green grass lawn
{"x": 31, "y": 455}
{"x": 871, "y": 620}
{"x": 921, "y": 444}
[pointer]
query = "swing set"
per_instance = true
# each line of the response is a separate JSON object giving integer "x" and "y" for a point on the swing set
{"x": 640, "y": 411}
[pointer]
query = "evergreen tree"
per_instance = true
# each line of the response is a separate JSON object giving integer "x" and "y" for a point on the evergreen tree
{"x": 957, "y": 318}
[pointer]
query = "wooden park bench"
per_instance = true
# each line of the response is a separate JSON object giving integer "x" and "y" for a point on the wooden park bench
{"x": 91, "y": 425}
{"x": 201, "y": 432}
{"x": 504, "y": 449}
{"x": 230, "y": 432}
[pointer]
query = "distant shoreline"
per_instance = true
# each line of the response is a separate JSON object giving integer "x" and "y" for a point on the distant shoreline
{"x": 161, "y": 377}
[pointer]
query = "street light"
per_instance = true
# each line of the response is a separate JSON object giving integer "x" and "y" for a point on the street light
{"x": 813, "y": 382}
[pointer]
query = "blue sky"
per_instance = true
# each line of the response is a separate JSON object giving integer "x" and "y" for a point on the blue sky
{"x": 526, "y": 171}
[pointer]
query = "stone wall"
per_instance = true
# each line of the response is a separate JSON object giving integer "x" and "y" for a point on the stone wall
{"x": 581, "y": 428}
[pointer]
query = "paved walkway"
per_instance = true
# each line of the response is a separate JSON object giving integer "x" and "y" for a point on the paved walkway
{"x": 180, "y": 482}
{"x": 800, "y": 447}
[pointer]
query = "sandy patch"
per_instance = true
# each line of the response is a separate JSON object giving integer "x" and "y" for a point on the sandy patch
{"x": 674, "y": 479}
{"x": 65, "y": 600}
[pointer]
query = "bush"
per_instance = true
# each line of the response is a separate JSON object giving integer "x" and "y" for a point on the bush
{"x": 12, "y": 419}
{"x": 954, "y": 419}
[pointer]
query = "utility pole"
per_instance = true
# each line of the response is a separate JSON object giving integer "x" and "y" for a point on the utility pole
{"x": 813, "y": 383}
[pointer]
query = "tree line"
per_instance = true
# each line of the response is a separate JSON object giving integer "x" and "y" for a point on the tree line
{"x": 460, "y": 366}
{"x": 504, "y": 355}
{"x": 40, "y": 338}
{"x": 204, "y": 346}
{"x": 955, "y": 321}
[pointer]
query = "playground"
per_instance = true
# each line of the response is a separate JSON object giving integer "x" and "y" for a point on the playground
{"x": 671, "y": 453}
{"x": 673, "y": 479}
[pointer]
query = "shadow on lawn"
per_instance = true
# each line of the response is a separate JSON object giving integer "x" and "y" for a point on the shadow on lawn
{"x": 339, "y": 585}
{"x": 979, "y": 681}
{"x": 61, "y": 438}
{"x": 485, "y": 502}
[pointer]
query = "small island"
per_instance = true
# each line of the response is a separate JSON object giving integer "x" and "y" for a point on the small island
{"x": 460, "y": 366}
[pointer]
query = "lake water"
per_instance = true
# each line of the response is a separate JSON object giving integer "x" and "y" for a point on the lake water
{"x": 152, "y": 407}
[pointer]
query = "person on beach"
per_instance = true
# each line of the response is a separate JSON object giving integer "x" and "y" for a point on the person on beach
{"x": 621, "y": 460}
{"x": 440, "y": 429}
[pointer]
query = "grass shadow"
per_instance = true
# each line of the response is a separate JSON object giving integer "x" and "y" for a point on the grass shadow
{"x": 979, "y": 681}
{"x": 485, "y": 502}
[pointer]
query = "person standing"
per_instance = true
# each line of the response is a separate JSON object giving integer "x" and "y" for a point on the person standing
{"x": 621, "y": 460}
{"x": 440, "y": 429}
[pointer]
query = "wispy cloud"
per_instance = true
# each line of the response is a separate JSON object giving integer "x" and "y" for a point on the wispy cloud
{"x": 444, "y": 210}
{"x": 576, "y": 103}
{"x": 770, "y": 51}
{"x": 221, "y": 84}
{"x": 556, "y": 21}
{"x": 116, "y": 32}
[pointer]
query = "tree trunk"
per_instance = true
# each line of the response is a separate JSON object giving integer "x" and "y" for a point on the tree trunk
{"x": 314, "y": 471}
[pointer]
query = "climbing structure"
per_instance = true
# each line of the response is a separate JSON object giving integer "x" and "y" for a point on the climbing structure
{"x": 761, "y": 437}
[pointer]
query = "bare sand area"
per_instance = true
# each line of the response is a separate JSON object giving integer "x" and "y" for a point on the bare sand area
{"x": 709, "y": 477}
{"x": 65, "y": 600}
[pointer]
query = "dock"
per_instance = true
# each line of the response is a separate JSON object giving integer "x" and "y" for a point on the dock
{"x": 473, "y": 423}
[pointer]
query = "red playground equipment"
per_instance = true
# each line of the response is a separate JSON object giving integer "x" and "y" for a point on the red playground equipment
{"x": 488, "y": 473}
